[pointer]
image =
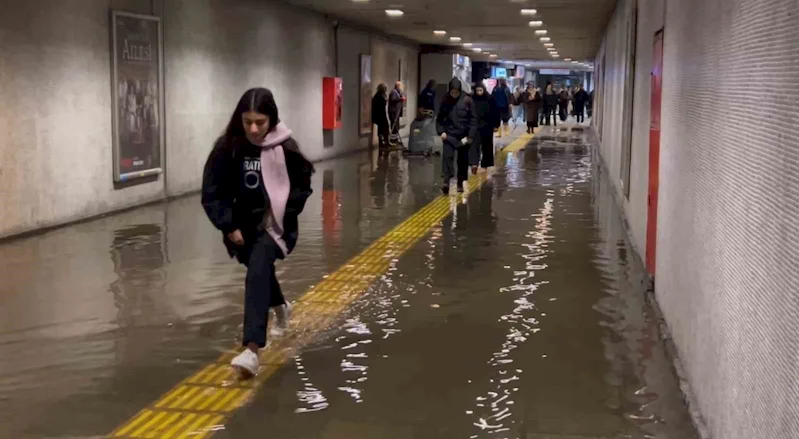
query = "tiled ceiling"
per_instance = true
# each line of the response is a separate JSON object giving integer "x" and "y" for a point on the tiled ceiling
{"x": 496, "y": 26}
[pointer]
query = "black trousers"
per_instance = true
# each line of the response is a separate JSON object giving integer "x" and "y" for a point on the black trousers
{"x": 453, "y": 148}
{"x": 579, "y": 112}
{"x": 551, "y": 113}
{"x": 261, "y": 289}
{"x": 382, "y": 135}
{"x": 481, "y": 152}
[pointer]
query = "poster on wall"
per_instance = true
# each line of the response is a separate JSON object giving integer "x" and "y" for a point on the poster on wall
{"x": 136, "y": 78}
{"x": 366, "y": 95}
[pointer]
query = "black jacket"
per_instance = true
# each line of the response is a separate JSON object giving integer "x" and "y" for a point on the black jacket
{"x": 457, "y": 117}
{"x": 222, "y": 182}
{"x": 488, "y": 117}
{"x": 379, "y": 110}
{"x": 580, "y": 99}
{"x": 427, "y": 99}
{"x": 550, "y": 100}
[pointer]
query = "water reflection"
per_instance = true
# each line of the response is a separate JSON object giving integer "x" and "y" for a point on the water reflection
{"x": 493, "y": 408}
{"x": 138, "y": 253}
{"x": 518, "y": 316}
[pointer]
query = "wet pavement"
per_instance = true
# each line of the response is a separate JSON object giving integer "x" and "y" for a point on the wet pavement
{"x": 521, "y": 315}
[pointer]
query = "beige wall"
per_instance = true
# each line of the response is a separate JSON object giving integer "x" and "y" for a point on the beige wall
{"x": 215, "y": 50}
{"x": 55, "y": 117}
{"x": 726, "y": 243}
{"x": 385, "y": 68}
{"x": 615, "y": 50}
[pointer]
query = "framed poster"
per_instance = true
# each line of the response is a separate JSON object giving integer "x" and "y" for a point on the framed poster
{"x": 366, "y": 96}
{"x": 137, "y": 95}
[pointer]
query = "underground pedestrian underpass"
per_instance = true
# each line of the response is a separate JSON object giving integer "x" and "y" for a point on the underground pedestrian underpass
{"x": 627, "y": 276}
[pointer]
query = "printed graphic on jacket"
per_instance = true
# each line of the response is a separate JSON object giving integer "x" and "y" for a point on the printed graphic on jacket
{"x": 252, "y": 172}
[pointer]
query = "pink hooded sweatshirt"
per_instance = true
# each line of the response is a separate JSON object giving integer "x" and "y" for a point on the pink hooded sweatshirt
{"x": 276, "y": 181}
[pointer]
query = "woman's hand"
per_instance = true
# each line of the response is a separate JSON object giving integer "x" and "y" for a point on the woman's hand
{"x": 236, "y": 237}
{"x": 443, "y": 136}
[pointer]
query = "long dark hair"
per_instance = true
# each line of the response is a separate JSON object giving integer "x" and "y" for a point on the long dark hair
{"x": 260, "y": 100}
{"x": 382, "y": 89}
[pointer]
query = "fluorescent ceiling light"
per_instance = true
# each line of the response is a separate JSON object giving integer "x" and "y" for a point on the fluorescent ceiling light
{"x": 529, "y": 12}
{"x": 536, "y": 23}
{"x": 394, "y": 13}
{"x": 551, "y": 49}
{"x": 574, "y": 62}
{"x": 468, "y": 44}
{"x": 549, "y": 45}
{"x": 545, "y": 39}
{"x": 493, "y": 55}
{"x": 541, "y": 32}
{"x": 440, "y": 33}
{"x": 554, "y": 55}
{"x": 455, "y": 39}
{"x": 567, "y": 59}
{"x": 477, "y": 49}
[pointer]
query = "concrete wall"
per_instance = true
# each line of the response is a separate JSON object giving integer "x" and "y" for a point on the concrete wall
{"x": 217, "y": 49}
{"x": 55, "y": 114}
{"x": 55, "y": 117}
{"x": 726, "y": 243}
{"x": 386, "y": 57}
{"x": 615, "y": 50}
{"x": 351, "y": 45}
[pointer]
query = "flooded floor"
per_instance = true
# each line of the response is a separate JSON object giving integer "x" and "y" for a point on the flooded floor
{"x": 521, "y": 315}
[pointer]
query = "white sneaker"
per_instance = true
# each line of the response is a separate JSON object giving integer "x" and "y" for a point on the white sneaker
{"x": 246, "y": 363}
{"x": 282, "y": 317}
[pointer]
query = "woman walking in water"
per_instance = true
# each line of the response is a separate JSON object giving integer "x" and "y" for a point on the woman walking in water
{"x": 255, "y": 184}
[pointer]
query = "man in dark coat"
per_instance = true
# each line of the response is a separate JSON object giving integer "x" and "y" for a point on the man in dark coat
{"x": 580, "y": 99}
{"x": 457, "y": 125}
{"x": 504, "y": 98}
{"x": 427, "y": 98}
{"x": 395, "y": 103}
{"x": 488, "y": 120}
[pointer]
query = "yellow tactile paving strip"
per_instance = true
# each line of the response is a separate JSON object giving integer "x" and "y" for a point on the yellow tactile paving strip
{"x": 200, "y": 405}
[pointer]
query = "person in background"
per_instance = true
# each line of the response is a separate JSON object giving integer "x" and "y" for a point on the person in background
{"x": 532, "y": 102}
{"x": 550, "y": 101}
{"x": 380, "y": 117}
{"x": 518, "y": 105}
{"x": 563, "y": 104}
{"x": 580, "y": 99}
{"x": 255, "y": 184}
{"x": 427, "y": 98}
{"x": 396, "y": 101}
{"x": 456, "y": 123}
{"x": 541, "y": 115}
{"x": 504, "y": 98}
{"x": 488, "y": 120}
